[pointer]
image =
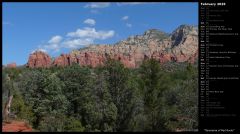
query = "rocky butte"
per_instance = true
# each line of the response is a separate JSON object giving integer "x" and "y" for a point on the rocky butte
{"x": 12, "y": 65}
{"x": 39, "y": 59}
{"x": 179, "y": 46}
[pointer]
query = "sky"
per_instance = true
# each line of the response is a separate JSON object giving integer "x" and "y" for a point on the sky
{"x": 58, "y": 28}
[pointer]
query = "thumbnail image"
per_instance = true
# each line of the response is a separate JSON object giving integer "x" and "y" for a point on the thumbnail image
{"x": 100, "y": 67}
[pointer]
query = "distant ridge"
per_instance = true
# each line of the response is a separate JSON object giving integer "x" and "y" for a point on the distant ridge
{"x": 179, "y": 46}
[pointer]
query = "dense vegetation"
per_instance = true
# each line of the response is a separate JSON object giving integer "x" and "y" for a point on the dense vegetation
{"x": 152, "y": 97}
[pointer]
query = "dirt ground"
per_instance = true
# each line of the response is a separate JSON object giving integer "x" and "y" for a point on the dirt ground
{"x": 16, "y": 126}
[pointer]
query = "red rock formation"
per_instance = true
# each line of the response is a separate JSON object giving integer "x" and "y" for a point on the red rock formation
{"x": 12, "y": 65}
{"x": 194, "y": 57}
{"x": 39, "y": 59}
{"x": 62, "y": 60}
{"x": 180, "y": 46}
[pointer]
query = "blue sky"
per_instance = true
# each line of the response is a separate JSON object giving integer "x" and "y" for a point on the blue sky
{"x": 61, "y": 27}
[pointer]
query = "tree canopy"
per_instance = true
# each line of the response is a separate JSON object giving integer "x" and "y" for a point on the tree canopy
{"x": 112, "y": 98}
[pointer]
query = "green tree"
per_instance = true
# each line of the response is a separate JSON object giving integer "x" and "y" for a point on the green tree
{"x": 79, "y": 89}
{"x": 6, "y": 87}
{"x": 181, "y": 100}
{"x": 153, "y": 82}
{"x": 43, "y": 92}
{"x": 109, "y": 98}
{"x": 122, "y": 92}
{"x": 76, "y": 81}
{"x": 73, "y": 125}
{"x": 104, "y": 104}
{"x": 20, "y": 109}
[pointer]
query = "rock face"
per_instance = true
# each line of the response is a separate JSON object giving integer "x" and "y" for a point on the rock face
{"x": 39, "y": 59}
{"x": 12, "y": 65}
{"x": 179, "y": 46}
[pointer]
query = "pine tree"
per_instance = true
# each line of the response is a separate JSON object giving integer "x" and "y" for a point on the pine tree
{"x": 104, "y": 104}
{"x": 45, "y": 95}
{"x": 152, "y": 84}
{"x": 121, "y": 92}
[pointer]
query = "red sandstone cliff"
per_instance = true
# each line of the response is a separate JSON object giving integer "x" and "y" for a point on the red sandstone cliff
{"x": 179, "y": 46}
{"x": 39, "y": 59}
{"x": 12, "y": 65}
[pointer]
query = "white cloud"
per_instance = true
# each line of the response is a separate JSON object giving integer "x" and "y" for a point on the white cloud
{"x": 52, "y": 45}
{"x": 129, "y": 25}
{"x": 91, "y": 33}
{"x": 125, "y": 17}
{"x": 130, "y": 3}
{"x": 86, "y": 36}
{"x": 137, "y": 3}
{"x": 55, "y": 39}
{"x": 75, "y": 43}
{"x": 97, "y": 5}
{"x": 39, "y": 49}
{"x": 81, "y": 37}
{"x": 91, "y": 22}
